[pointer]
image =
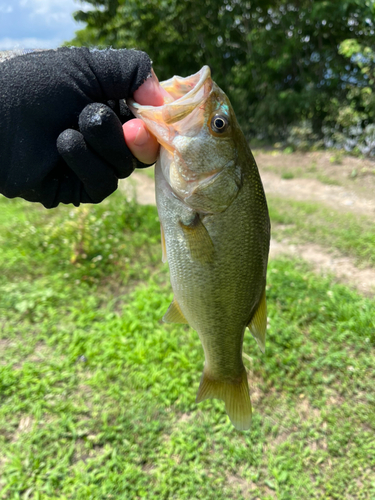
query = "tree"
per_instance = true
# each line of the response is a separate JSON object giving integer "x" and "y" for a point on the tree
{"x": 280, "y": 62}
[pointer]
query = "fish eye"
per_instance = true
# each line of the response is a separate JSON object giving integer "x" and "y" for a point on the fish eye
{"x": 219, "y": 124}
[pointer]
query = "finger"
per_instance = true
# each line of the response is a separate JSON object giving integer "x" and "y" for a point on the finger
{"x": 141, "y": 143}
{"x": 118, "y": 72}
{"x": 97, "y": 177}
{"x": 102, "y": 130}
{"x": 151, "y": 92}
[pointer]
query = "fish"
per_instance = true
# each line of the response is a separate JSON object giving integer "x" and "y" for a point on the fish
{"x": 215, "y": 231}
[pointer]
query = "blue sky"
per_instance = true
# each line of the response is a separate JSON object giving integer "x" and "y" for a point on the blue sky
{"x": 37, "y": 23}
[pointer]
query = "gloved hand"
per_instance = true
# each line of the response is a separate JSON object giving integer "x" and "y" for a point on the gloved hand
{"x": 61, "y": 138}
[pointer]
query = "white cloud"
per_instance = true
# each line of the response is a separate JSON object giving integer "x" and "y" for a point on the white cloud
{"x": 50, "y": 10}
{"x": 37, "y": 23}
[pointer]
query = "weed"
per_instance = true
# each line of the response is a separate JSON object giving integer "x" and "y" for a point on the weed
{"x": 325, "y": 179}
{"x": 337, "y": 157}
{"x": 313, "y": 167}
{"x": 288, "y": 150}
{"x": 287, "y": 175}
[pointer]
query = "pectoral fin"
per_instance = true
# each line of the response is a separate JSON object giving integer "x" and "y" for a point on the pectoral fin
{"x": 174, "y": 314}
{"x": 198, "y": 240}
{"x": 163, "y": 245}
{"x": 258, "y": 323}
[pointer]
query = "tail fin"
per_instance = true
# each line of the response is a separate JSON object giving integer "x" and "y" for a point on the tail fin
{"x": 234, "y": 394}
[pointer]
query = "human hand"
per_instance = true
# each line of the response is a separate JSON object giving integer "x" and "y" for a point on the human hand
{"x": 61, "y": 131}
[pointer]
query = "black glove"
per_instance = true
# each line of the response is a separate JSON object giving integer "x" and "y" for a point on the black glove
{"x": 61, "y": 138}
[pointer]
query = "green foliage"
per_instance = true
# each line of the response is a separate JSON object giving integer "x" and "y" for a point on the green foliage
{"x": 282, "y": 63}
{"x": 351, "y": 126}
{"x": 97, "y": 396}
{"x": 302, "y": 138}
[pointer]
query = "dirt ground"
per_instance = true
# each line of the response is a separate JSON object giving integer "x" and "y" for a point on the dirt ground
{"x": 322, "y": 176}
{"x": 348, "y": 185}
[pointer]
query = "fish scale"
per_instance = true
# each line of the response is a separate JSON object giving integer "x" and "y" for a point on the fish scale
{"x": 216, "y": 232}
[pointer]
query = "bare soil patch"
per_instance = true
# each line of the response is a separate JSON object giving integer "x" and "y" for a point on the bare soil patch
{"x": 351, "y": 179}
{"x": 325, "y": 263}
{"x": 301, "y": 189}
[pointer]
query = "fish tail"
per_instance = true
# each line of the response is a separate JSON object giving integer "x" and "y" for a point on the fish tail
{"x": 235, "y": 395}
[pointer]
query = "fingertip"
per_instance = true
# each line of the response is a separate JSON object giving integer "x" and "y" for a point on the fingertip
{"x": 141, "y": 143}
{"x": 151, "y": 92}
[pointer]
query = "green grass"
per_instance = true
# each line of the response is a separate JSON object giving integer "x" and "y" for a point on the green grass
{"x": 325, "y": 179}
{"x": 351, "y": 234}
{"x": 98, "y": 396}
{"x": 287, "y": 175}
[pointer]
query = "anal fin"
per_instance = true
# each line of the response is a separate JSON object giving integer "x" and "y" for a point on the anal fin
{"x": 235, "y": 395}
{"x": 258, "y": 323}
{"x": 200, "y": 245}
{"x": 174, "y": 314}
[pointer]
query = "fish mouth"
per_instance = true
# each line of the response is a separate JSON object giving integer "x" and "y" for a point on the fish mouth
{"x": 167, "y": 120}
{"x": 180, "y": 88}
{"x": 186, "y": 100}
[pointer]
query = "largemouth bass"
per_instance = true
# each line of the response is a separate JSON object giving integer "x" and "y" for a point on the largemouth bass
{"x": 215, "y": 231}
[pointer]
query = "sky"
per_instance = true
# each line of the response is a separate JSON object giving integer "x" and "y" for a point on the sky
{"x": 37, "y": 24}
